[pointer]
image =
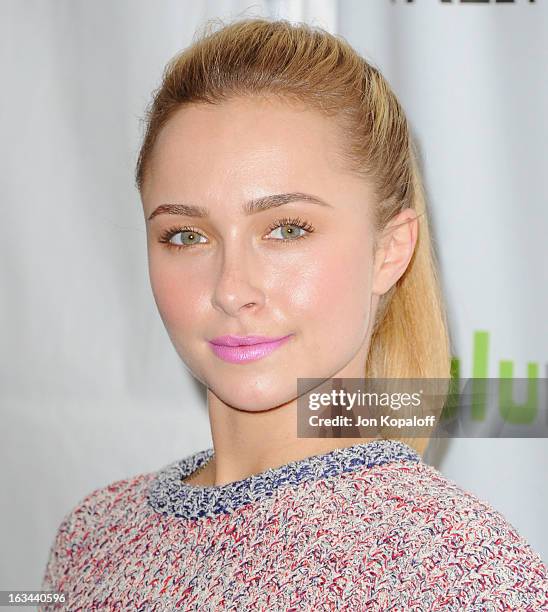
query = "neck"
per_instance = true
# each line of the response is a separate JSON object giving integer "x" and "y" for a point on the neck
{"x": 248, "y": 443}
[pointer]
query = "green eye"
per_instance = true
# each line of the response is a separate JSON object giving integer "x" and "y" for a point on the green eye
{"x": 191, "y": 236}
{"x": 290, "y": 229}
{"x": 290, "y": 232}
{"x": 184, "y": 237}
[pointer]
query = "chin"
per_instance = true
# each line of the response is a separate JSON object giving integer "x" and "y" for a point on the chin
{"x": 252, "y": 399}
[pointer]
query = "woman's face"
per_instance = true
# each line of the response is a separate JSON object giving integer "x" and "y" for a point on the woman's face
{"x": 233, "y": 272}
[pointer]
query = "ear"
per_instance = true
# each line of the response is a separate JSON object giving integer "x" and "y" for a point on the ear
{"x": 395, "y": 248}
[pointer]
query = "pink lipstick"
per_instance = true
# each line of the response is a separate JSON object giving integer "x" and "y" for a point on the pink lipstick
{"x": 240, "y": 349}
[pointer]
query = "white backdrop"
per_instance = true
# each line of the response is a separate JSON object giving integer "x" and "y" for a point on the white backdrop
{"x": 91, "y": 389}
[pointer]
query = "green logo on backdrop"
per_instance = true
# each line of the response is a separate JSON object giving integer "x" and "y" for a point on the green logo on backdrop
{"x": 511, "y": 412}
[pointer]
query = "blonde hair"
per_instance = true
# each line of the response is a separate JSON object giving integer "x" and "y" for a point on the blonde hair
{"x": 306, "y": 64}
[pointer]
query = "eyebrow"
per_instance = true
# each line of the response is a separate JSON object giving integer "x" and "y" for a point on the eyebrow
{"x": 249, "y": 208}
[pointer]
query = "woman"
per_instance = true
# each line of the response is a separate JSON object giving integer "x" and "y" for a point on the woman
{"x": 288, "y": 239}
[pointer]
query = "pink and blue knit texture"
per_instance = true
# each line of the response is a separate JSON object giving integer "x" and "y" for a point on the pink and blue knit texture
{"x": 367, "y": 527}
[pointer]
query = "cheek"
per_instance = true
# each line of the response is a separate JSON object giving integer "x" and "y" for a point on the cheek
{"x": 179, "y": 293}
{"x": 334, "y": 286}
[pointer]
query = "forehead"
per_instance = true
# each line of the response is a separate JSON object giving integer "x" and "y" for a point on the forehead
{"x": 244, "y": 140}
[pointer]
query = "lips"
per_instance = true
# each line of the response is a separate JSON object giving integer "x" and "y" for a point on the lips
{"x": 243, "y": 340}
{"x": 240, "y": 349}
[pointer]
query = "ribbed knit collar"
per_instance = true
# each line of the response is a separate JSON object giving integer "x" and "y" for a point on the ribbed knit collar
{"x": 168, "y": 493}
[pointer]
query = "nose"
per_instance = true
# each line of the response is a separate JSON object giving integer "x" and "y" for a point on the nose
{"x": 235, "y": 289}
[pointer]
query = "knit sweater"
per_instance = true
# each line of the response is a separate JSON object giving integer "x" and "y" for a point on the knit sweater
{"x": 366, "y": 527}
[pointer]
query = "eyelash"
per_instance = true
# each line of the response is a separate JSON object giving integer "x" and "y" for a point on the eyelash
{"x": 168, "y": 234}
